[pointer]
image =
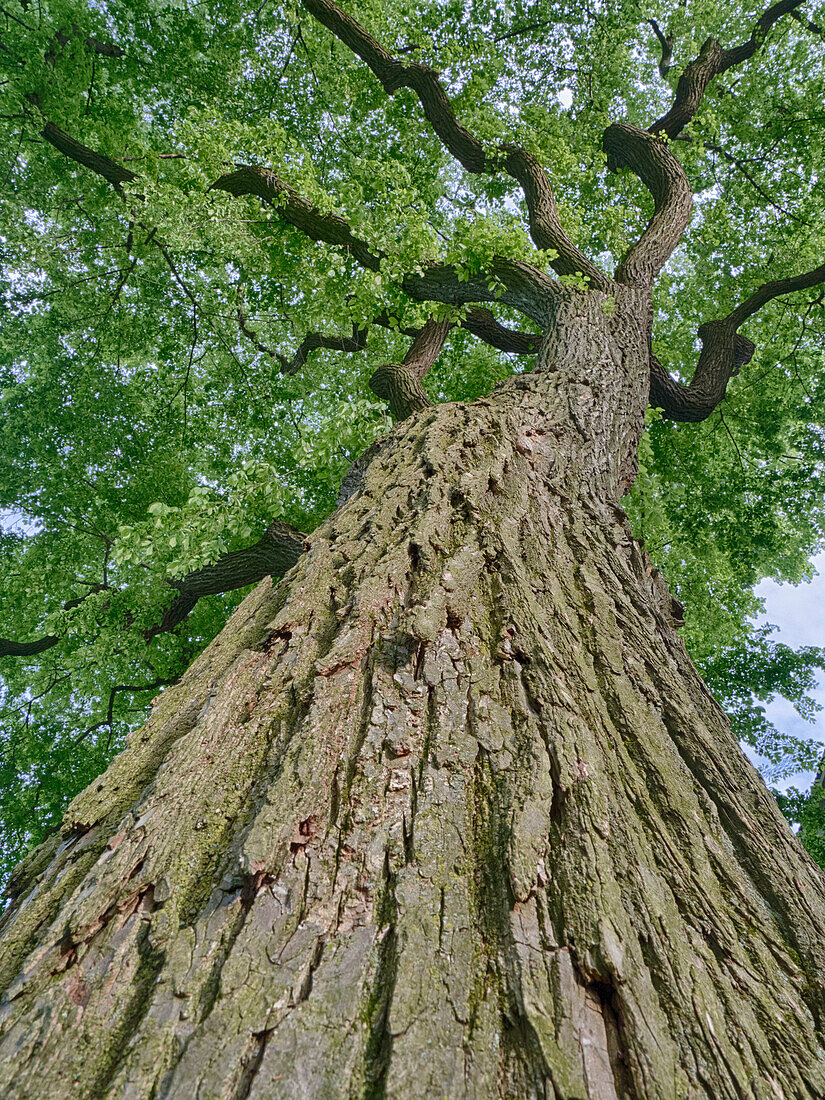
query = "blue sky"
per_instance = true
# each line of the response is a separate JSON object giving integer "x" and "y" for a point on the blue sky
{"x": 799, "y": 613}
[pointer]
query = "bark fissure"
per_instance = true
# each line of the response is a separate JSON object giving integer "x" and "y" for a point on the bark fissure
{"x": 257, "y": 1047}
{"x": 378, "y": 1047}
{"x": 142, "y": 982}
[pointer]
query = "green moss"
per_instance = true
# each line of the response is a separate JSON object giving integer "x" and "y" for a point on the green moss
{"x": 110, "y": 1046}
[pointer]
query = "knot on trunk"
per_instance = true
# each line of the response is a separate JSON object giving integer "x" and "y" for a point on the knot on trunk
{"x": 401, "y": 389}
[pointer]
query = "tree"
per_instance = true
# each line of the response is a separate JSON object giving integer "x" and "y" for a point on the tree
{"x": 218, "y": 448}
{"x": 448, "y": 810}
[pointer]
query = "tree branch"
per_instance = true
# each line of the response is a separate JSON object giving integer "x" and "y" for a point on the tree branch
{"x": 483, "y": 324}
{"x": 99, "y": 163}
{"x": 480, "y": 322}
{"x": 724, "y": 351}
{"x": 712, "y": 61}
{"x": 273, "y": 554}
{"x": 628, "y": 147}
{"x": 312, "y": 341}
{"x": 525, "y": 287}
{"x": 666, "y": 42}
{"x": 394, "y": 74}
{"x": 399, "y": 384}
{"x": 814, "y": 28}
{"x": 468, "y": 150}
{"x": 297, "y": 211}
{"x": 9, "y": 648}
{"x": 543, "y": 218}
{"x": 774, "y": 289}
{"x": 426, "y": 347}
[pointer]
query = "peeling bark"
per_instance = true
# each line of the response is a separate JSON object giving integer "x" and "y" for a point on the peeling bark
{"x": 448, "y": 812}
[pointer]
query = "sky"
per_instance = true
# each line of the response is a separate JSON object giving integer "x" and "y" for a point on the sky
{"x": 799, "y": 613}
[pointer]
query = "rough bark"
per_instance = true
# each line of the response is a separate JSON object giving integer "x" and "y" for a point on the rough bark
{"x": 448, "y": 812}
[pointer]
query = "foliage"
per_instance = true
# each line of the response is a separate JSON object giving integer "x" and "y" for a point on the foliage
{"x": 144, "y": 433}
{"x": 806, "y": 809}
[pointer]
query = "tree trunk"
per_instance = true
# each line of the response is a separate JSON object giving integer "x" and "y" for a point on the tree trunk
{"x": 446, "y": 813}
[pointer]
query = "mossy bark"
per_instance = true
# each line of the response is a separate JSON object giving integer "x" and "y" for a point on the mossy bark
{"x": 446, "y": 813}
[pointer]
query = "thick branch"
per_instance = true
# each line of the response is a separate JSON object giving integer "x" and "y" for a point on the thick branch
{"x": 394, "y": 74}
{"x": 401, "y": 390}
{"x": 712, "y": 61}
{"x": 314, "y": 340}
{"x": 95, "y": 45}
{"x": 399, "y": 384}
{"x": 426, "y": 347}
{"x": 102, "y": 165}
{"x": 297, "y": 211}
{"x": 273, "y": 555}
{"x": 775, "y": 289}
{"x": 628, "y": 147}
{"x": 524, "y": 286}
{"x": 9, "y": 648}
{"x": 666, "y": 43}
{"x": 543, "y": 217}
{"x": 468, "y": 150}
{"x": 334, "y": 230}
{"x": 482, "y": 323}
{"x": 737, "y": 54}
{"x": 724, "y": 351}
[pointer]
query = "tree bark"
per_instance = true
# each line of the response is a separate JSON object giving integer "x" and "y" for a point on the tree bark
{"x": 446, "y": 813}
